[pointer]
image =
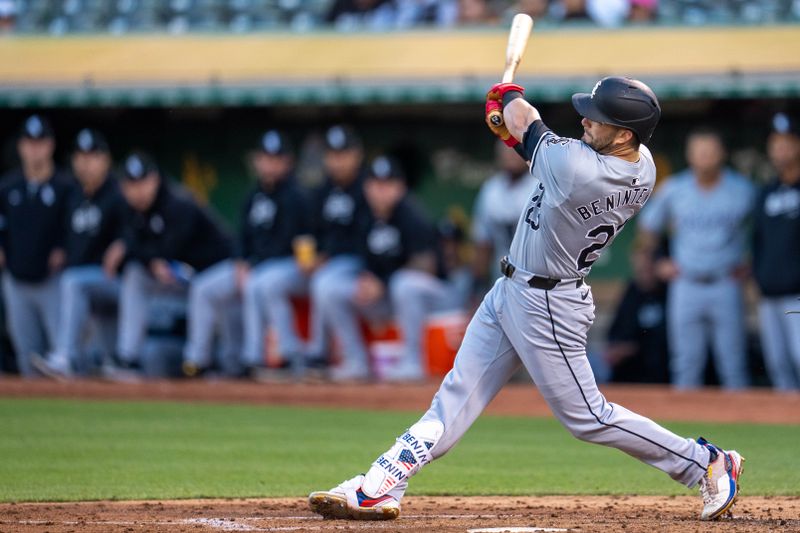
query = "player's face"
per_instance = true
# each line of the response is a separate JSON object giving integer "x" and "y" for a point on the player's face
{"x": 383, "y": 195}
{"x": 705, "y": 153}
{"x": 271, "y": 168}
{"x": 599, "y": 136}
{"x": 783, "y": 151}
{"x": 342, "y": 165}
{"x": 35, "y": 151}
{"x": 91, "y": 168}
{"x": 140, "y": 194}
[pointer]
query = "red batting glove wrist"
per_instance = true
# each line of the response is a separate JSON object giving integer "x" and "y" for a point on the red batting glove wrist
{"x": 498, "y": 127}
{"x": 499, "y": 89}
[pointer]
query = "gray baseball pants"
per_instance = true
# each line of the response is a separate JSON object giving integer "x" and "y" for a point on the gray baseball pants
{"x": 31, "y": 317}
{"x": 214, "y": 307}
{"x": 699, "y": 313}
{"x": 267, "y": 301}
{"x": 546, "y": 332}
{"x": 780, "y": 337}
{"x": 138, "y": 288}
{"x": 78, "y": 286}
{"x": 329, "y": 282}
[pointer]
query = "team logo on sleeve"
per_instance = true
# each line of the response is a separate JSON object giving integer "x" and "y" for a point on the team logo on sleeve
{"x": 532, "y": 214}
{"x": 552, "y": 139}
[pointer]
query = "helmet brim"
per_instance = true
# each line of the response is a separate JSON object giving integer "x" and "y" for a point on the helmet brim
{"x": 585, "y": 106}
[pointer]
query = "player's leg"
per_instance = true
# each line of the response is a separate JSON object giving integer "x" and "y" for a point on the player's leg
{"x": 75, "y": 287}
{"x": 729, "y": 334}
{"x": 335, "y": 303}
{"x": 210, "y": 292}
{"x": 414, "y": 294}
{"x": 791, "y": 326}
{"x": 136, "y": 287}
{"x": 775, "y": 344}
{"x": 23, "y": 324}
{"x": 230, "y": 334}
{"x": 484, "y": 363}
{"x": 548, "y": 329}
{"x": 335, "y": 268}
{"x": 687, "y": 333}
{"x": 280, "y": 281}
{"x": 253, "y": 319}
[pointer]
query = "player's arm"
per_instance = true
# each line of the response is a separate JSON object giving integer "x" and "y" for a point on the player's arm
{"x": 519, "y": 115}
{"x": 522, "y": 126}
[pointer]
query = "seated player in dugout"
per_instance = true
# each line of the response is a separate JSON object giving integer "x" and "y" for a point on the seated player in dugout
{"x": 538, "y": 314}
{"x": 273, "y": 216}
{"x": 399, "y": 278}
{"x": 94, "y": 218}
{"x": 169, "y": 245}
{"x": 338, "y": 212}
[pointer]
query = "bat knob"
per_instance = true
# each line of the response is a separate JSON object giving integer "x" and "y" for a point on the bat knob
{"x": 496, "y": 119}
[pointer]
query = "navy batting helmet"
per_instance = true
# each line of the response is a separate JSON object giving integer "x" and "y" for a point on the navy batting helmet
{"x": 622, "y": 102}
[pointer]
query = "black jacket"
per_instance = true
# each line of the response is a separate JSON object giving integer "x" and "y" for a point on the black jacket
{"x": 271, "y": 219}
{"x": 776, "y": 239}
{"x": 338, "y": 215}
{"x": 389, "y": 245}
{"x": 31, "y": 223}
{"x": 93, "y": 223}
{"x": 175, "y": 228}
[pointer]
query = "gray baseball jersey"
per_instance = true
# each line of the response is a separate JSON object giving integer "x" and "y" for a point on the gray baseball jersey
{"x": 708, "y": 235}
{"x": 579, "y": 204}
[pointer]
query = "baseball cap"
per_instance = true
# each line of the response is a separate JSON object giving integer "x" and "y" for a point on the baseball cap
{"x": 36, "y": 127}
{"x": 385, "y": 168}
{"x": 785, "y": 124}
{"x": 90, "y": 140}
{"x": 137, "y": 166}
{"x": 341, "y": 138}
{"x": 274, "y": 142}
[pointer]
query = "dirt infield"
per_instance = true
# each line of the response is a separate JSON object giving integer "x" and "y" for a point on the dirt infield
{"x": 629, "y": 514}
{"x": 424, "y": 514}
{"x": 658, "y": 402}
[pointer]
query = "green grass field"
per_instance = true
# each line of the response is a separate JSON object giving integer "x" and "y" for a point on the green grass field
{"x": 61, "y": 450}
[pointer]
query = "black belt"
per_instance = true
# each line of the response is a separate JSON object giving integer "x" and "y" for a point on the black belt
{"x": 535, "y": 282}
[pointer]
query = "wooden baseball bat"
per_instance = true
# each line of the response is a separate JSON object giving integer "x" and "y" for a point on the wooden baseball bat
{"x": 521, "y": 27}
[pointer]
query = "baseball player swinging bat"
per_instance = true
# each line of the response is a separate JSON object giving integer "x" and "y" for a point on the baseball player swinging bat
{"x": 521, "y": 27}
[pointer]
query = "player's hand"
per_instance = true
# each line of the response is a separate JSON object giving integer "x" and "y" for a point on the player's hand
{"x": 56, "y": 260}
{"x": 666, "y": 269}
{"x": 241, "y": 274}
{"x": 161, "y": 271}
{"x": 112, "y": 258}
{"x": 369, "y": 289}
{"x": 493, "y": 110}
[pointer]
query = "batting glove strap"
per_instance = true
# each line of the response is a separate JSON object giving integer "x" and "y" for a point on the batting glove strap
{"x": 499, "y": 90}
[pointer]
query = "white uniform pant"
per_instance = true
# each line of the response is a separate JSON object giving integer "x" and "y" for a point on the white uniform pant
{"x": 703, "y": 312}
{"x": 31, "y": 317}
{"x": 780, "y": 337}
{"x": 546, "y": 332}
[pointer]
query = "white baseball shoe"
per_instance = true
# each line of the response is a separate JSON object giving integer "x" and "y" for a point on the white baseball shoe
{"x": 720, "y": 484}
{"x": 347, "y": 501}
